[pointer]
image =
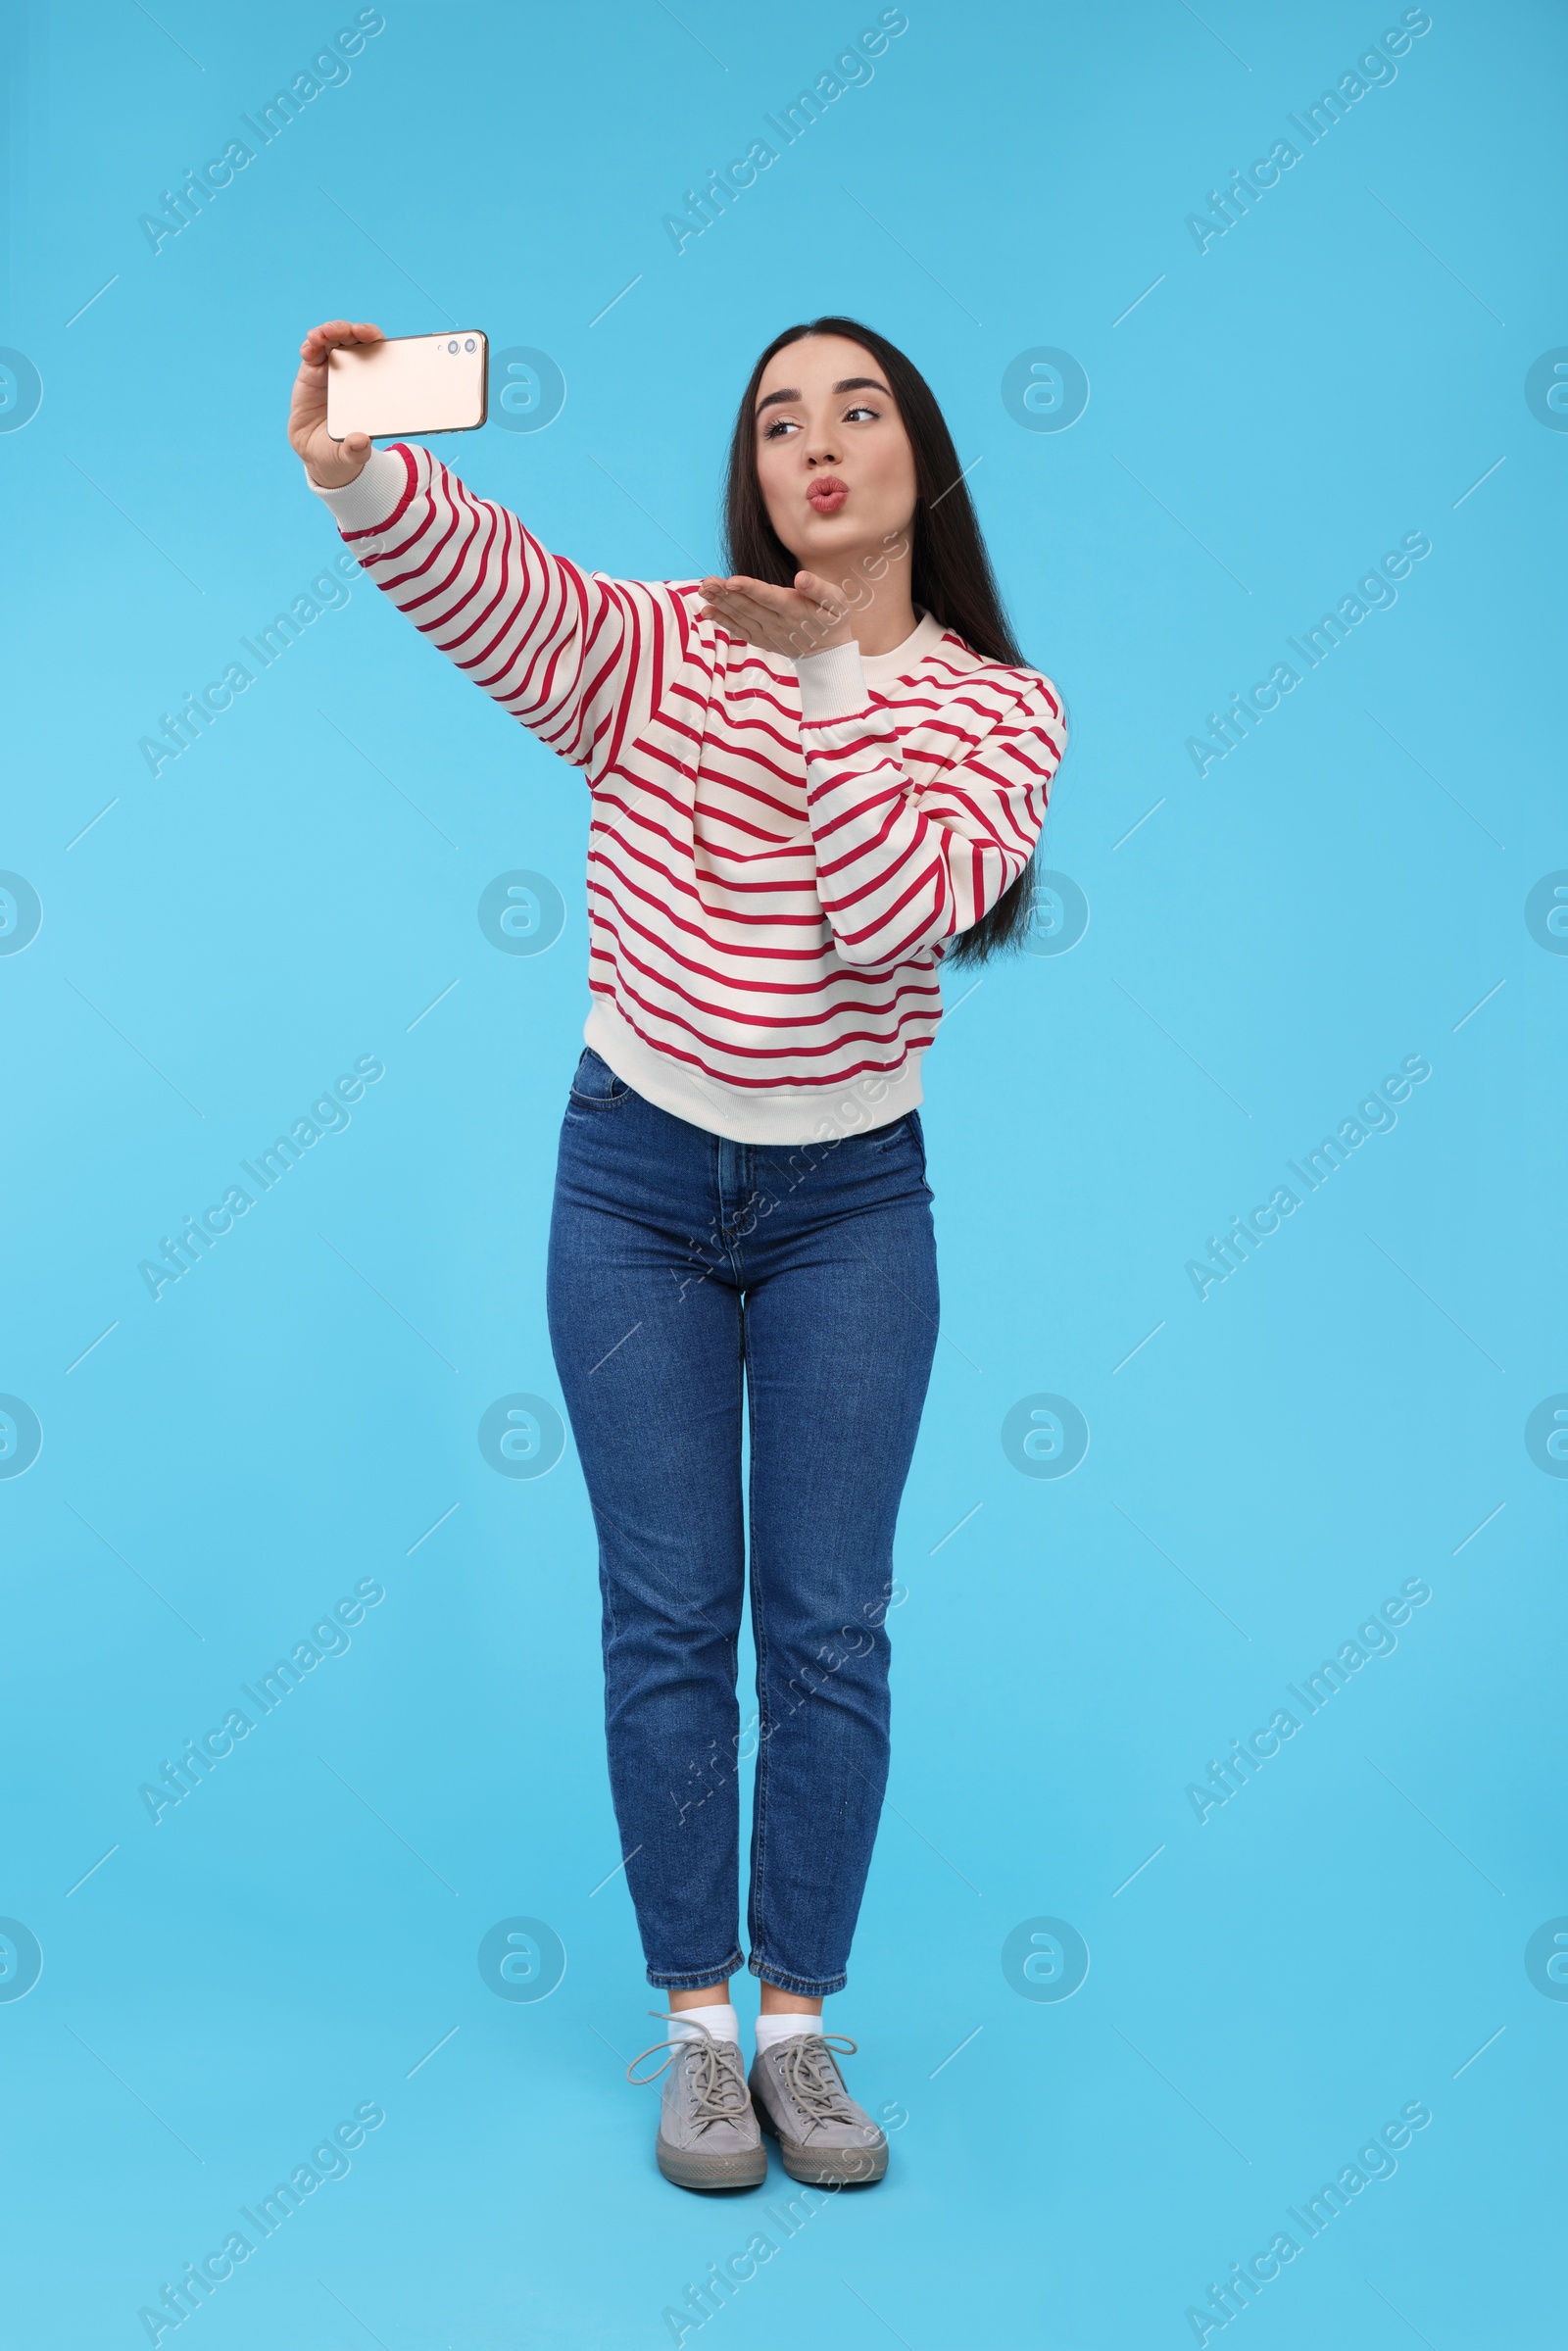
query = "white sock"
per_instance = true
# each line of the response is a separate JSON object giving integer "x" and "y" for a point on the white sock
{"x": 783, "y": 2024}
{"x": 720, "y": 2017}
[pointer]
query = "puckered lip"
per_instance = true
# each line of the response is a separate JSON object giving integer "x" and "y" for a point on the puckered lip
{"x": 825, "y": 487}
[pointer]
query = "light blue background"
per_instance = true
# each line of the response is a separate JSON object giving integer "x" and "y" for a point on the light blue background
{"x": 1340, "y": 893}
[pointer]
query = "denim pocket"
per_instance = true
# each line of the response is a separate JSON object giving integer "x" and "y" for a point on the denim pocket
{"x": 595, "y": 1085}
{"x": 884, "y": 1141}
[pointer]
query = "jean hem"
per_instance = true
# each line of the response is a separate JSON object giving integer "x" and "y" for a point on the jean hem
{"x": 696, "y": 1980}
{"x": 810, "y": 1988}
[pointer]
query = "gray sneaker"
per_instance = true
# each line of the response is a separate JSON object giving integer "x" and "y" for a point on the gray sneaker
{"x": 800, "y": 2101}
{"x": 708, "y": 2134}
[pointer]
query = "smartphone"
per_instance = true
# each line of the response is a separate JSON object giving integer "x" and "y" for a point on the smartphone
{"x": 407, "y": 383}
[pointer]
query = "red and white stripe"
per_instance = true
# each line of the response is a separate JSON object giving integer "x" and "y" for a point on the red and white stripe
{"x": 771, "y": 891}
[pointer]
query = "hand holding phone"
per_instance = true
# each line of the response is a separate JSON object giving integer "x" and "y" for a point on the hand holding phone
{"x": 332, "y": 463}
{"x": 354, "y": 382}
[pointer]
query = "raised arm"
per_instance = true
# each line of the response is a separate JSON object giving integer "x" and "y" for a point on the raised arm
{"x": 574, "y": 656}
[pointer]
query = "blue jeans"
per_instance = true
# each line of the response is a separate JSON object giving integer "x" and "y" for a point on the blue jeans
{"x": 681, "y": 1266}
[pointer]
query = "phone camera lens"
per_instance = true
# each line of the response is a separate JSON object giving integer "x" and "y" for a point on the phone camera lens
{"x": 469, "y": 345}
{"x": 452, "y": 346}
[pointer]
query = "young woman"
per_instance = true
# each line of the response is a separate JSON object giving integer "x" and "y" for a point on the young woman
{"x": 811, "y": 784}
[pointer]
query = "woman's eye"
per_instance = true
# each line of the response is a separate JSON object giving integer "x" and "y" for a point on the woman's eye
{"x": 859, "y": 410}
{"x": 780, "y": 427}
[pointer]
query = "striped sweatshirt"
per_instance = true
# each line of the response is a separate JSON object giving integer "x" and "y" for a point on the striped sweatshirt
{"x": 780, "y": 852}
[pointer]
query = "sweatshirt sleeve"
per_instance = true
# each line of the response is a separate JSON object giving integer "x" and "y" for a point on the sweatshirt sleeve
{"x": 902, "y": 867}
{"x": 577, "y": 658}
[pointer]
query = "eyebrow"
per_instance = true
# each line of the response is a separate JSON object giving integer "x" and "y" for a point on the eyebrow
{"x": 849, "y": 383}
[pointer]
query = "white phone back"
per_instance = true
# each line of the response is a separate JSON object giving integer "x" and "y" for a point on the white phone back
{"x": 407, "y": 383}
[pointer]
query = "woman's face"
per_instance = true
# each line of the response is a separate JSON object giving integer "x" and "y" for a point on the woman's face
{"x": 834, "y": 461}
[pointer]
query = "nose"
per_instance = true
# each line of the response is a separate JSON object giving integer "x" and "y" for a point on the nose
{"x": 820, "y": 454}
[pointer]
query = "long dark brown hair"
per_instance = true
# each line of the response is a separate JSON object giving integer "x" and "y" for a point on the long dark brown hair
{"x": 951, "y": 572}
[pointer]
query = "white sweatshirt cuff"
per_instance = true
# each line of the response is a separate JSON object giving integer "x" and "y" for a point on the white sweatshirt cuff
{"x": 832, "y": 684}
{"x": 370, "y": 497}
